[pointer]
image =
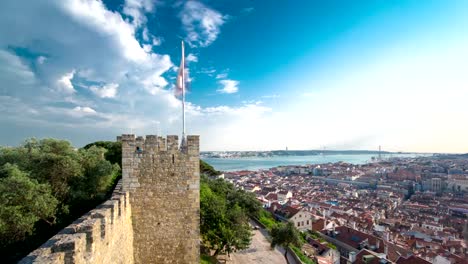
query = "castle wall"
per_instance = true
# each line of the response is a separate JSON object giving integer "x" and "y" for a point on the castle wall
{"x": 103, "y": 235}
{"x": 163, "y": 183}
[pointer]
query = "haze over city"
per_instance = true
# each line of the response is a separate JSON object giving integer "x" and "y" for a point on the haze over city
{"x": 308, "y": 75}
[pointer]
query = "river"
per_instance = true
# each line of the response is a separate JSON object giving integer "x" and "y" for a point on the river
{"x": 257, "y": 163}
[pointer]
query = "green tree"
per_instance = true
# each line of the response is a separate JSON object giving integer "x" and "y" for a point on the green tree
{"x": 212, "y": 217}
{"x": 207, "y": 169}
{"x": 48, "y": 161}
{"x": 224, "y": 221}
{"x": 97, "y": 178}
{"x": 113, "y": 153}
{"x": 239, "y": 234}
{"x": 245, "y": 200}
{"x": 285, "y": 235}
{"x": 23, "y": 202}
{"x": 70, "y": 181}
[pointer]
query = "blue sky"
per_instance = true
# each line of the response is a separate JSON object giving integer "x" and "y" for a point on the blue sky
{"x": 265, "y": 74}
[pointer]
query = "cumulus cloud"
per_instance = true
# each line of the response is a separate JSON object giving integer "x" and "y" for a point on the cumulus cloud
{"x": 105, "y": 91}
{"x": 154, "y": 83}
{"x": 64, "y": 83}
{"x": 201, "y": 23}
{"x": 96, "y": 16}
{"x": 115, "y": 56}
{"x": 228, "y": 86}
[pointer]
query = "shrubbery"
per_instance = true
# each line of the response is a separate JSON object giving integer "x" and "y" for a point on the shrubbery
{"x": 301, "y": 256}
{"x": 267, "y": 220}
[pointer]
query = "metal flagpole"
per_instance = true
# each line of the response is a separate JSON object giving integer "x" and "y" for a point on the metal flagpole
{"x": 183, "y": 95}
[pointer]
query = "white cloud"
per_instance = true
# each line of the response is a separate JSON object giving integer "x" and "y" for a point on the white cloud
{"x": 15, "y": 109}
{"x": 192, "y": 58}
{"x": 84, "y": 110}
{"x": 157, "y": 41}
{"x": 64, "y": 83}
{"x": 229, "y": 86}
{"x": 105, "y": 91}
{"x": 201, "y": 23}
{"x": 145, "y": 34}
{"x": 13, "y": 70}
{"x": 221, "y": 76}
{"x": 95, "y": 15}
{"x": 137, "y": 10}
{"x": 154, "y": 83}
{"x": 255, "y": 108}
{"x": 147, "y": 48}
{"x": 207, "y": 71}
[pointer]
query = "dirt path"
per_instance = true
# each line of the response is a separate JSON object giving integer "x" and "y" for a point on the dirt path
{"x": 258, "y": 252}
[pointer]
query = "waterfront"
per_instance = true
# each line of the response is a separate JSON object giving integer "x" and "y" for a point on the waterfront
{"x": 257, "y": 163}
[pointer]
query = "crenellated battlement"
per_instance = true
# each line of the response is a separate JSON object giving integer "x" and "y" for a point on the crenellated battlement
{"x": 153, "y": 143}
{"x": 103, "y": 235}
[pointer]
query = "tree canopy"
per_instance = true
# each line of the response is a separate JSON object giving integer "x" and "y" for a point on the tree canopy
{"x": 285, "y": 235}
{"x": 208, "y": 170}
{"x": 224, "y": 216}
{"x": 46, "y": 184}
{"x": 23, "y": 202}
{"x": 113, "y": 150}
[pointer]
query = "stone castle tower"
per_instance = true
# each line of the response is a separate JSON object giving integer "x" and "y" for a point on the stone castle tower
{"x": 163, "y": 183}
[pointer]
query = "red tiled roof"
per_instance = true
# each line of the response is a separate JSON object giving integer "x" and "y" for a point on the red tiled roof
{"x": 360, "y": 257}
{"x": 287, "y": 211}
{"x": 291, "y": 210}
{"x": 394, "y": 251}
{"x": 319, "y": 247}
{"x": 272, "y": 197}
{"x": 412, "y": 260}
{"x": 318, "y": 225}
{"x": 353, "y": 238}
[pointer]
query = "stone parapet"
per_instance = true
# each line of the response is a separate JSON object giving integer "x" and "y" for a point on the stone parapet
{"x": 103, "y": 235}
